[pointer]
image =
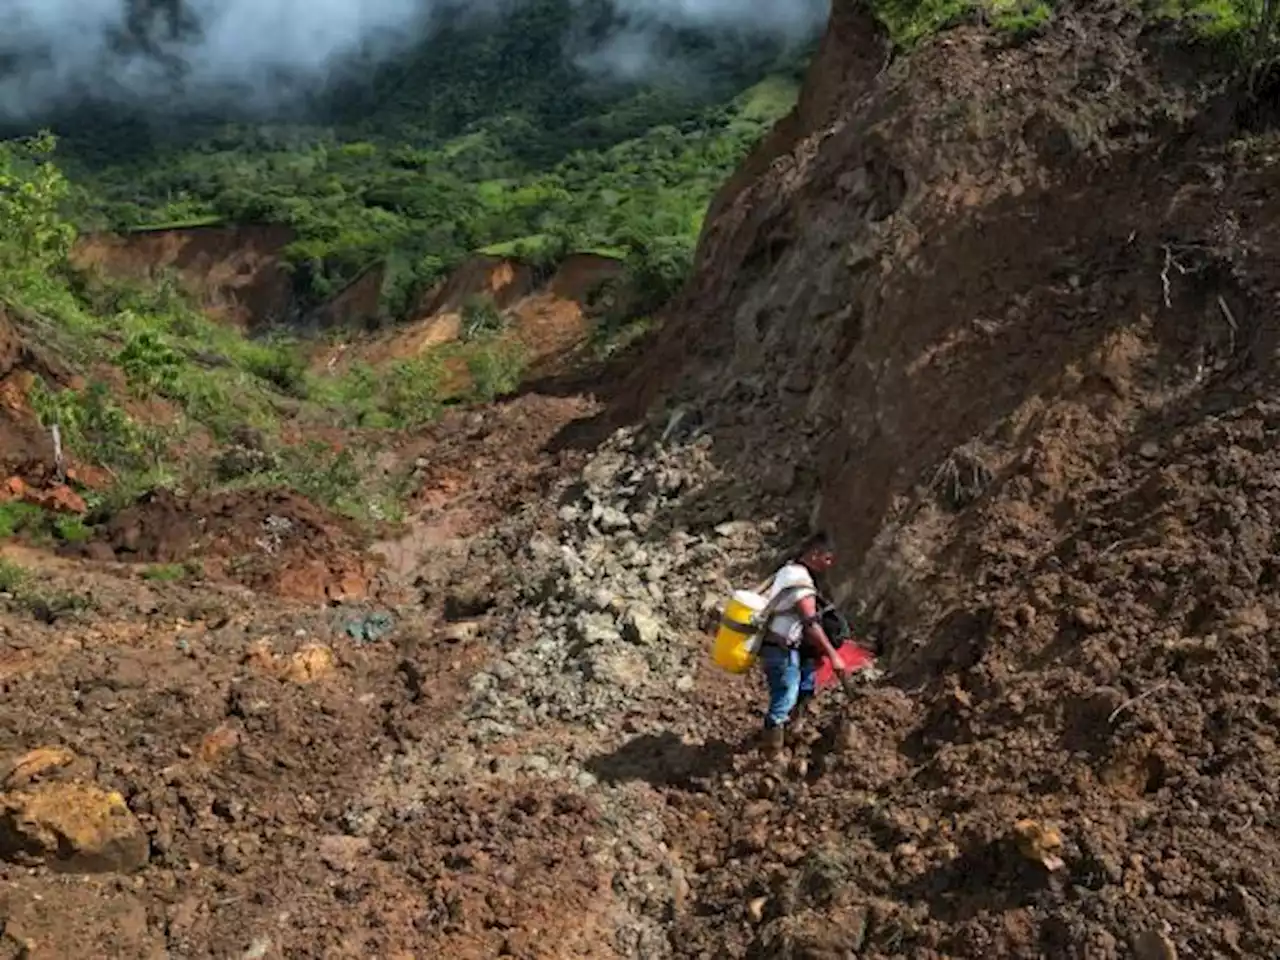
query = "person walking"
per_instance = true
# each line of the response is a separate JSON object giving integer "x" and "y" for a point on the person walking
{"x": 794, "y": 640}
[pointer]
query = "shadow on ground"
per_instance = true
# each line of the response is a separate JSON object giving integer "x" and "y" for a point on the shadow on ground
{"x": 664, "y": 760}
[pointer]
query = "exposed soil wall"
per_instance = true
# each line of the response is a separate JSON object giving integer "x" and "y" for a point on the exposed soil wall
{"x": 235, "y": 273}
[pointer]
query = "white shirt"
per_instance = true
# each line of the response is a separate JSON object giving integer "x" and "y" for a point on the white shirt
{"x": 790, "y": 585}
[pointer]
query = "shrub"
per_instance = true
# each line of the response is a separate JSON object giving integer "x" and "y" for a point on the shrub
{"x": 12, "y": 576}
{"x": 412, "y": 392}
{"x": 95, "y": 428}
{"x": 150, "y": 365}
{"x": 496, "y": 369}
{"x": 71, "y": 529}
{"x": 16, "y": 518}
{"x": 281, "y": 365}
{"x": 481, "y": 318}
{"x": 656, "y": 269}
{"x": 34, "y": 237}
{"x": 168, "y": 572}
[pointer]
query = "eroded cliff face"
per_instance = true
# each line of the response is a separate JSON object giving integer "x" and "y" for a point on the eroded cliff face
{"x": 236, "y": 274}
{"x": 1009, "y": 309}
{"x": 957, "y": 239}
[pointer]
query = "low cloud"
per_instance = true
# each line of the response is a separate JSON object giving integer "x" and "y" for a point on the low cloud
{"x": 260, "y": 53}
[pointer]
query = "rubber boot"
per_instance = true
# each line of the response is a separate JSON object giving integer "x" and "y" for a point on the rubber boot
{"x": 799, "y": 715}
{"x": 772, "y": 742}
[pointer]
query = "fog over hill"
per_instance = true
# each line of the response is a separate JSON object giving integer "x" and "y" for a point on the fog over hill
{"x": 260, "y": 53}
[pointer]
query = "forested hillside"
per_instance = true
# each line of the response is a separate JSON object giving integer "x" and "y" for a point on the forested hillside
{"x": 492, "y": 134}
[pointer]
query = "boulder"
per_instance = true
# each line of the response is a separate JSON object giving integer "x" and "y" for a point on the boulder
{"x": 468, "y": 601}
{"x": 463, "y": 631}
{"x": 77, "y": 828}
{"x": 602, "y": 472}
{"x": 611, "y": 519}
{"x": 1153, "y": 945}
{"x": 313, "y": 662}
{"x": 625, "y": 670}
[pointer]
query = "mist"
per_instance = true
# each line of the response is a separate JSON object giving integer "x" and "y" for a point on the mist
{"x": 259, "y": 54}
{"x": 634, "y": 51}
{"x": 788, "y": 18}
{"x": 250, "y": 52}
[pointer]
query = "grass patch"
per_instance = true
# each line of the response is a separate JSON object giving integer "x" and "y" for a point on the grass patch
{"x": 39, "y": 525}
{"x": 519, "y": 248}
{"x": 496, "y": 367}
{"x": 1020, "y": 16}
{"x": 910, "y": 21}
{"x": 769, "y": 99}
{"x": 403, "y": 395}
{"x": 1209, "y": 20}
{"x": 173, "y": 572}
{"x": 71, "y": 529}
{"x": 346, "y": 481}
{"x": 19, "y": 518}
{"x": 12, "y": 576}
{"x": 480, "y": 318}
{"x": 180, "y": 223}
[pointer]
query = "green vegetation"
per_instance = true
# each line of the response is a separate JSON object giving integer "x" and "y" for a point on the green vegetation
{"x": 480, "y": 318}
{"x": 491, "y": 137}
{"x": 199, "y": 378}
{"x": 39, "y": 525}
{"x": 496, "y": 369}
{"x": 173, "y": 572}
{"x": 1250, "y": 29}
{"x": 12, "y": 576}
{"x": 487, "y": 138}
{"x": 909, "y": 21}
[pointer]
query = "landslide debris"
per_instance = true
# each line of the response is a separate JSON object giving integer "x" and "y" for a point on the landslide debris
{"x": 271, "y": 539}
{"x": 1005, "y": 311}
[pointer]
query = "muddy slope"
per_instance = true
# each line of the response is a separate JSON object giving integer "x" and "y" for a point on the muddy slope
{"x": 1010, "y": 309}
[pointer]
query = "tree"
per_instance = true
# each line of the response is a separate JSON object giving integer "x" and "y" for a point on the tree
{"x": 33, "y": 233}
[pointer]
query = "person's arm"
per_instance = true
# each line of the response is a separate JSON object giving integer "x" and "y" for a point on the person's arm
{"x": 807, "y": 607}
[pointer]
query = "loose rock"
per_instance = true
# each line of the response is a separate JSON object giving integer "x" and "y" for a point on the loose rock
{"x": 77, "y": 828}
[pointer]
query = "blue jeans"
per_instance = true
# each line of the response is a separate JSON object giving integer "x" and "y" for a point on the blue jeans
{"x": 788, "y": 675}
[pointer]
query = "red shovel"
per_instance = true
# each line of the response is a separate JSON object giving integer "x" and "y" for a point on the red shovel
{"x": 852, "y": 657}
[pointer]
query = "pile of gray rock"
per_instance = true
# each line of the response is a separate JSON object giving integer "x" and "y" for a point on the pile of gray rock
{"x": 614, "y": 614}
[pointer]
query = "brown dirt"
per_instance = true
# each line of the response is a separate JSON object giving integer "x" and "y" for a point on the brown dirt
{"x": 21, "y": 437}
{"x": 503, "y": 279}
{"x": 268, "y": 539}
{"x": 251, "y": 736}
{"x": 27, "y": 468}
{"x": 358, "y": 304}
{"x": 475, "y": 467}
{"x": 548, "y": 321}
{"x": 235, "y": 273}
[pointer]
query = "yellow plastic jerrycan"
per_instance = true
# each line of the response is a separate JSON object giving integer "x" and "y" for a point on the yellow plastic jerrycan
{"x": 734, "y": 650}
